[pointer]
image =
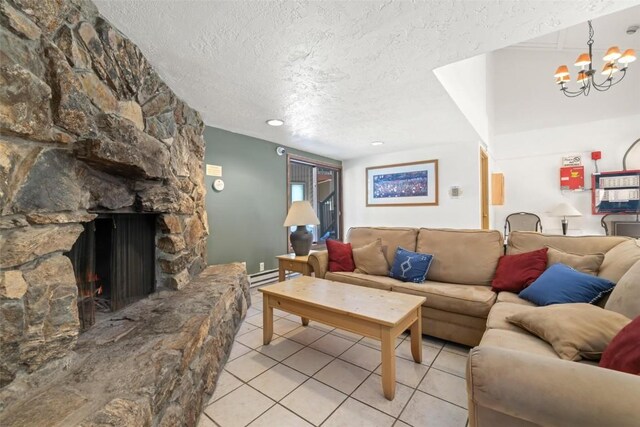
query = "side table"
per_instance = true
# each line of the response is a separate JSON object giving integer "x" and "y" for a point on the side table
{"x": 291, "y": 262}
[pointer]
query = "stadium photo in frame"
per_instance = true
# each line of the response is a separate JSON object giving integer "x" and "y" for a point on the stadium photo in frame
{"x": 404, "y": 184}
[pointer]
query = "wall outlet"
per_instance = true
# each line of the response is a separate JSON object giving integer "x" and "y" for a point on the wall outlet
{"x": 244, "y": 264}
{"x": 262, "y": 266}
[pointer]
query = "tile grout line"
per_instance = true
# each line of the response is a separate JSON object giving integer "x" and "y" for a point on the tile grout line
{"x": 350, "y": 395}
{"x": 416, "y": 389}
{"x": 309, "y": 377}
{"x": 334, "y": 358}
{"x": 371, "y": 373}
{"x": 328, "y": 385}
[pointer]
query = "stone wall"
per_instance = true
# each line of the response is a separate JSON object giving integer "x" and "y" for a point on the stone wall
{"x": 86, "y": 125}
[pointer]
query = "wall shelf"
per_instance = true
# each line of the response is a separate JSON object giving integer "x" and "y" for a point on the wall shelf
{"x": 615, "y": 192}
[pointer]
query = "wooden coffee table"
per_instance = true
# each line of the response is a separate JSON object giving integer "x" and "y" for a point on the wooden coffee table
{"x": 374, "y": 313}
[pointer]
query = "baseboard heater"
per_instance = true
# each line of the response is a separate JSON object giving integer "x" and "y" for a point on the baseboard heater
{"x": 266, "y": 277}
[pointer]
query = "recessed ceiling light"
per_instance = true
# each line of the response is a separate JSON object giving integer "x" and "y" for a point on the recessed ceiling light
{"x": 275, "y": 122}
{"x": 376, "y": 143}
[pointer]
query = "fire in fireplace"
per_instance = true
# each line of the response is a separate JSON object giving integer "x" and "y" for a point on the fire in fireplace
{"x": 114, "y": 263}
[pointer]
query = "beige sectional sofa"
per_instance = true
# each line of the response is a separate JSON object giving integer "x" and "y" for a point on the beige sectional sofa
{"x": 513, "y": 377}
{"x": 458, "y": 286}
{"x": 516, "y": 379}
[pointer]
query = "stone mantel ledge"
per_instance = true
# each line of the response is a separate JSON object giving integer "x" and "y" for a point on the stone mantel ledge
{"x": 154, "y": 363}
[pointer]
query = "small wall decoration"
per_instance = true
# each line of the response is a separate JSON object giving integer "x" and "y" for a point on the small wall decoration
{"x": 404, "y": 184}
{"x": 572, "y": 160}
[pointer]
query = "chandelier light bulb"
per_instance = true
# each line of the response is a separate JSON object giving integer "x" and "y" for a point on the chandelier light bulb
{"x": 627, "y": 57}
{"x": 562, "y": 79}
{"x": 583, "y": 60}
{"x": 612, "y": 54}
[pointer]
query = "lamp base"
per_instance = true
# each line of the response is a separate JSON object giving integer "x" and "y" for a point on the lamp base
{"x": 301, "y": 241}
{"x": 565, "y": 226}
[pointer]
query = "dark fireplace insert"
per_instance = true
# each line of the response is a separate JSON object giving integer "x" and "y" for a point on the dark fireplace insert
{"x": 114, "y": 262}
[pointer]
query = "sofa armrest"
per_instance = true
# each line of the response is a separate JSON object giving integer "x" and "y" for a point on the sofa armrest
{"x": 550, "y": 392}
{"x": 319, "y": 260}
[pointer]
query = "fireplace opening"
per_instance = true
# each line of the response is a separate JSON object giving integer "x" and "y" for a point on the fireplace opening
{"x": 114, "y": 263}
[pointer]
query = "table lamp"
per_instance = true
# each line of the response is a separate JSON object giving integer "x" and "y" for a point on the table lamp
{"x": 301, "y": 214}
{"x": 564, "y": 210}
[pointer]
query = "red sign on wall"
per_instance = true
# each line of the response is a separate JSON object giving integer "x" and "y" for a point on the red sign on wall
{"x": 572, "y": 178}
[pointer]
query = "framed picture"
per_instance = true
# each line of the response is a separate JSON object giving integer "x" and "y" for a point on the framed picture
{"x": 405, "y": 184}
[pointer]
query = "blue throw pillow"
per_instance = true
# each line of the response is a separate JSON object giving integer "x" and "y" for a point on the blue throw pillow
{"x": 561, "y": 284}
{"x": 410, "y": 266}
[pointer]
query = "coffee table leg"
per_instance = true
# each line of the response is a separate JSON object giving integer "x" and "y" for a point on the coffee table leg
{"x": 388, "y": 364}
{"x": 416, "y": 338}
{"x": 267, "y": 320}
{"x": 305, "y": 321}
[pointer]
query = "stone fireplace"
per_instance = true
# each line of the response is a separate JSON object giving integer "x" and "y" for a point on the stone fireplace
{"x": 114, "y": 262}
{"x": 101, "y": 183}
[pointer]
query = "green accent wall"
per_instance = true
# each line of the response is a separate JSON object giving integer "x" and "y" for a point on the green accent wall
{"x": 245, "y": 219}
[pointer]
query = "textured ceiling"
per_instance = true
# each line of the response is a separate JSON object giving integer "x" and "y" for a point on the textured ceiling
{"x": 341, "y": 74}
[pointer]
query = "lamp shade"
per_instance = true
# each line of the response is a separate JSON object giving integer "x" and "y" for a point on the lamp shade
{"x": 628, "y": 56}
{"x": 582, "y": 60}
{"x": 582, "y": 77}
{"x": 565, "y": 209}
{"x": 562, "y": 71}
{"x": 301, "y": 213}
{"x": 609, "y": 69}
{"x": 612, "y": 54}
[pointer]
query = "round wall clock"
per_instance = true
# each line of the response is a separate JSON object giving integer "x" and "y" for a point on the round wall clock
{"x": 218, "y": 184}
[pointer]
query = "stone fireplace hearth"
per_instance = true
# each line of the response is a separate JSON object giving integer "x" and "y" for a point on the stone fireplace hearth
{"x": 88, "y": 130}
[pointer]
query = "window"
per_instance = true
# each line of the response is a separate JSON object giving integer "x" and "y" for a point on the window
{"x": 320, "y": 184}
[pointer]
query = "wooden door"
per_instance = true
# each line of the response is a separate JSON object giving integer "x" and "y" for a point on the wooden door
{"x": 484, "y": 190}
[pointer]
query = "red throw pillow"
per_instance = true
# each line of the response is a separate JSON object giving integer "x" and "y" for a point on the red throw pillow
{"x": 623, "y": 352}
{"x": 340, "y": 256}
{"x": 516, "y": 272}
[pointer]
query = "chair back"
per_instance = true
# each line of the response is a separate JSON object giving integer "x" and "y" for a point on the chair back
{"x": 522, "y": 221}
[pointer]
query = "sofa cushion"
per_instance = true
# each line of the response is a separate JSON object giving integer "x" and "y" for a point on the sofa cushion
{"x": 516, "y": 272}
{"x": 625, "y": 297}
{"x": 575, "y": 331}
{"x": 378, "y": 282}
{"x": 513, "y": 298}
{"x": 340, "y": 256}
{"x": 369, "y": 259}
{"x": 527, "y": 241}
{"x": 410, "y": 266}
{"x": 520, "y": 341}
{"x": 391, "y": 238}
{"x": 561, "y": 284}
{"x": 620, "y": 259}
{"x": 623, "y": 352}
{"x": 589, "y": 264}
{"x": 456, "y": 298}
{"x": 497, "y": 318}
{"x": 461, "y": 256}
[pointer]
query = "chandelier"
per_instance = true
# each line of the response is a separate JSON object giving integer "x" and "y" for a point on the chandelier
{"x": 586, "y": 76}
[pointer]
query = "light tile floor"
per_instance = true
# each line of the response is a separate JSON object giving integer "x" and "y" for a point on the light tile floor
{"x": 320, "y": 376}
